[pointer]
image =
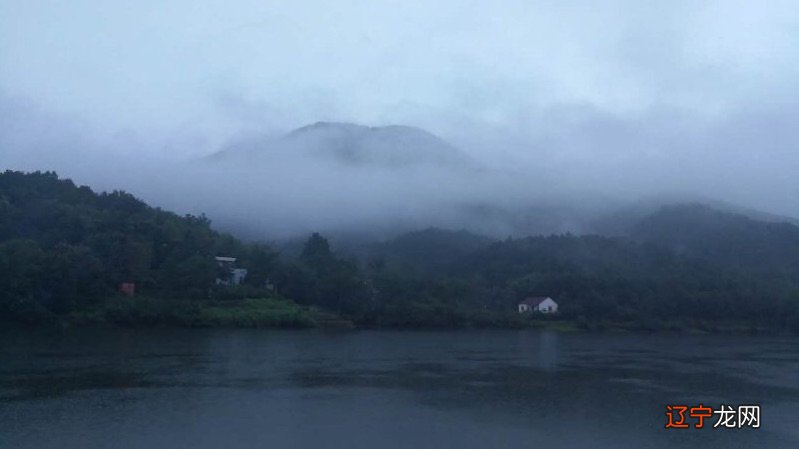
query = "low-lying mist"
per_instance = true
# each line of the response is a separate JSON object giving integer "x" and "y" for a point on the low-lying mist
{"x": 578, "y": 168}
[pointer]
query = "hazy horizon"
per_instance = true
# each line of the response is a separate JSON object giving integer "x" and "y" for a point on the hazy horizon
{"x": 568, "y": 103}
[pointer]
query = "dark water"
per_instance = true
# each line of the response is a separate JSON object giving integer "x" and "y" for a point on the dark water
{"x": 466, "y": 389}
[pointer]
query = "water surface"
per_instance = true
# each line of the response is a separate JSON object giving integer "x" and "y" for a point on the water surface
{"x": 383, "y": 389}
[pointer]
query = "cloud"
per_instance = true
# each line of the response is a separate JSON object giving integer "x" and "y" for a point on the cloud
{"x": 561, "y": 98}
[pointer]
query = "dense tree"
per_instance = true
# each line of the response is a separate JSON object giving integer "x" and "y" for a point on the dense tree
{"x": 329, "y": 281}
{"x": 65, "y": 249}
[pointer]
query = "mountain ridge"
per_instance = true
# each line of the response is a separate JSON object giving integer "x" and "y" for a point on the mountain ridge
{"x": 392, "y": 146}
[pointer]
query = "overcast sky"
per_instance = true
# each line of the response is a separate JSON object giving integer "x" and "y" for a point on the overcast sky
{"x": 704, "y": 91}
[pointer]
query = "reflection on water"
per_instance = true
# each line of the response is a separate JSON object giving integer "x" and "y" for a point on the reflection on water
{"x": 548, "y": 351}
{"x": 245, "y": 388}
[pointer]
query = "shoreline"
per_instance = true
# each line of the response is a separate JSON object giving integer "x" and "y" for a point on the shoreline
{"x": 344, "y": 325}
{"x": 282, "y": 313}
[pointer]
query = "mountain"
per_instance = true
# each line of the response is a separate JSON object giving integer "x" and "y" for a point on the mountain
{"x": 622, "y": 220}
{"x": 722, "y": 238}
{"x": 352, "y": 145}
{"x": 393, "y": 179}
{"x": 689, "y": 233}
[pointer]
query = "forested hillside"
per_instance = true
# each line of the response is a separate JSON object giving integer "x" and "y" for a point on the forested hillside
{"x": 64, "y": 248}
{"x": 683, "y": 266}
{"x": 64, "y": 251}
{"x": 723, "y": 239}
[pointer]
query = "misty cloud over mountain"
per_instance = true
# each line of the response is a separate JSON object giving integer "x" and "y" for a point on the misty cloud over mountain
{"x": 276, "y": 122}
{"x": 351, "y": 145}
{"x": 384, "y": 180}
{"x": 346, "y": 178}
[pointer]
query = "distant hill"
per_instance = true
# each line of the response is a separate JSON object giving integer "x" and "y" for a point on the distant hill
{"x": 352, "y": 145}
{"x": 726, "y": 239}
{"x": 692, "y": 233}
{"x": 623, "y": 220}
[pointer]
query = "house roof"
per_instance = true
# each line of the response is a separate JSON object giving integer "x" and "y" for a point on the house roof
{"x": 534, "y": 300}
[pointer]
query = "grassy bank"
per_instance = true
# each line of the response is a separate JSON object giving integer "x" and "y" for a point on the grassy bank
{"x": 676, "y": 326}
{"x": 144, "y": 311}
{"x": 283, "y": 313}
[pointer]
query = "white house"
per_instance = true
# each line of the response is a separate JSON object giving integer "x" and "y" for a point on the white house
{"x": 236, "y": 276}
{"x": 541, "y": 304}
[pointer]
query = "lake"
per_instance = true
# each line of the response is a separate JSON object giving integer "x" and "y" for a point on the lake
{"x": 123, "y": 388}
